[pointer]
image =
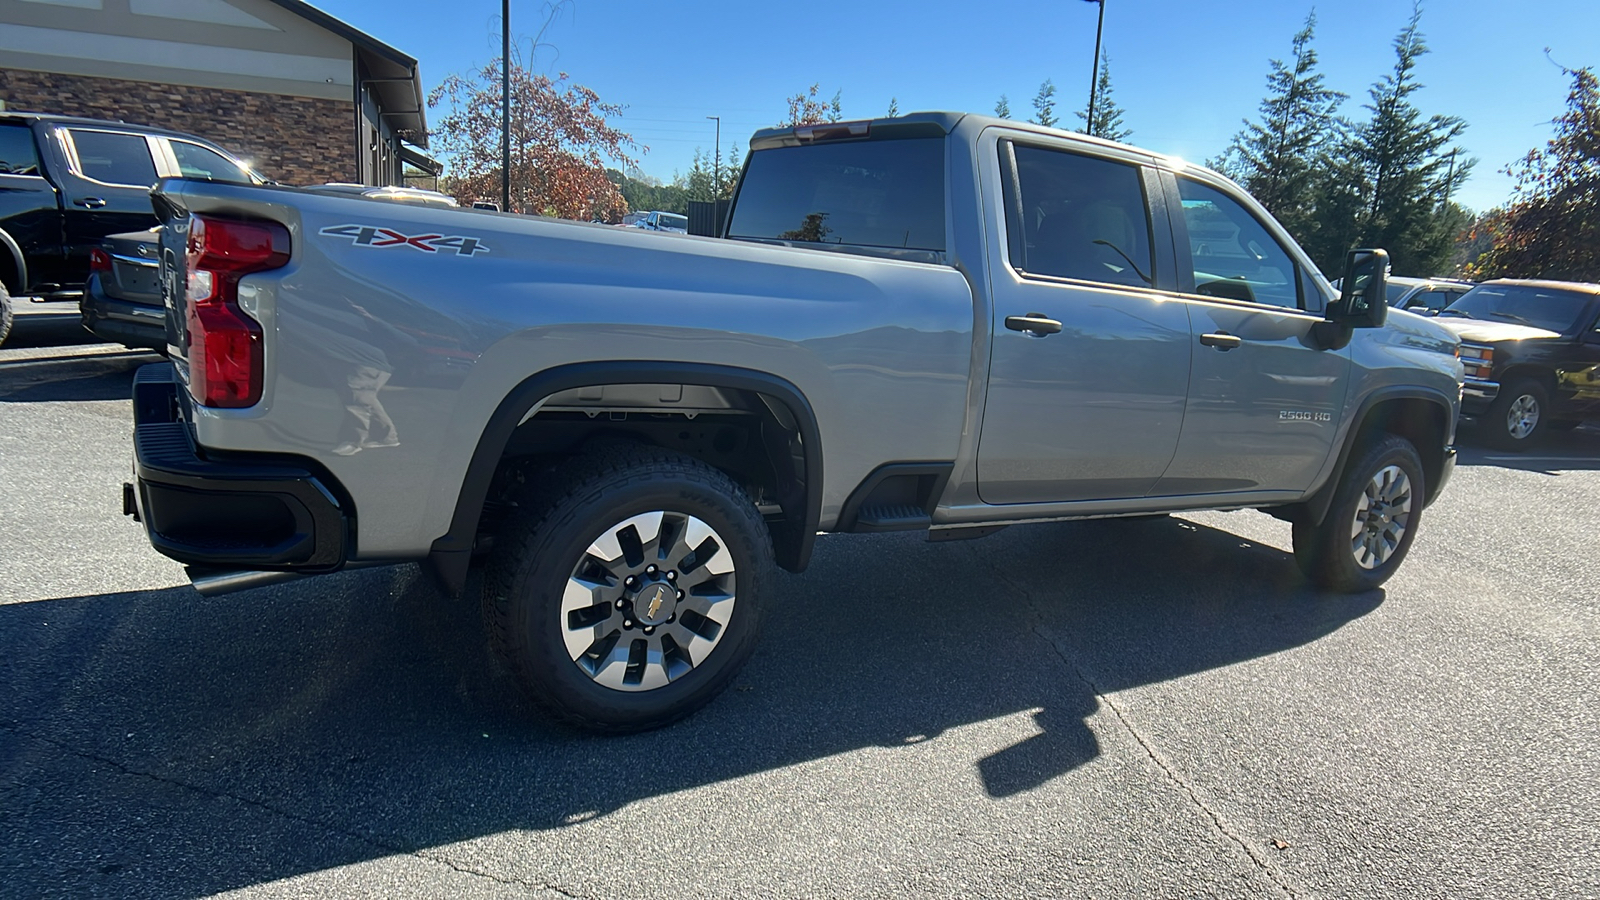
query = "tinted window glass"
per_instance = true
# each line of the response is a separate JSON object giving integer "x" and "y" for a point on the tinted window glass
{"x": 865, "y": 193}
{"x": 195, "y": 161}
{"x": 1552, "y": 310}
{"x": 114, "y": 158}
{"x": 17, "y": 153}
{"x": 1082, "y": 218}
{"x": 1234, "y": 257}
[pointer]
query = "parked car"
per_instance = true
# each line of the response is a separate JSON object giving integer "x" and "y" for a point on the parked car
{"x": 1532, "y": 354}
{"x": 66, "y": 183}
{"x": 122, "y": 299}
{"x": 663, "y": 221}
{"x": 1425, "y": 296}
{"x": 934, "y": 323}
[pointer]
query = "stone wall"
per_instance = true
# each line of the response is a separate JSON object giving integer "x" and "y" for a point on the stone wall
{"x": 295, "y": 140}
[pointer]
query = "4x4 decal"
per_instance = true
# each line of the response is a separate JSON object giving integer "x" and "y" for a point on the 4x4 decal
{"x": 375, "y": 236}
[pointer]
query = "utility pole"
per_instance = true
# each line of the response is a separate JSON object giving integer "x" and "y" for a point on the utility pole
{"x": 716, "y": 163}
{"x": 1094, "y": 71}
{"x": 505, "y": 105}
{"x": 1450, "y": 177}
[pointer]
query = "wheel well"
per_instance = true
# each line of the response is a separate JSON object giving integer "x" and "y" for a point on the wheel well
{"x": 756, "y": 428}
{"x": 1545, "y": 377}
{"x": 1422, "y": 422}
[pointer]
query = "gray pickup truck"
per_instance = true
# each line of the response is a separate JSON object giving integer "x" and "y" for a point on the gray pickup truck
{"x": 935, "y": 323}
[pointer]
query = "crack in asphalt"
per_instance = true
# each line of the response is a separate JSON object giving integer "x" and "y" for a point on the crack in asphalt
{"x": 290, "y": 815}
{"x": 1255, "y": 856}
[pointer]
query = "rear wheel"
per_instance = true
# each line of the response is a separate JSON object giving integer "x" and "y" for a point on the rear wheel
{"x": 1371, "y": 523}
{"x": 628, "y": 596}
{"x": 5, "y": 313}
{"x": 1518, "y": 417}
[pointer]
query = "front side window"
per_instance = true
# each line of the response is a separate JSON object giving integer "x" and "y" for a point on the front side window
{"x": 882, "y": 194}
{"x": 1234, "y": 257}
{"x": 1082, "y": 218}
{"x": 114, "y": 158}
{"x": 195, "y": 161}
{"x": 18, "y": 156}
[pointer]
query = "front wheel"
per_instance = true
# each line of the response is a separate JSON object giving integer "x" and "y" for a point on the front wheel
{"x": 1371, "y": 523}
{"x": 1518, "y": 417}
{"x": 628, "y": 596}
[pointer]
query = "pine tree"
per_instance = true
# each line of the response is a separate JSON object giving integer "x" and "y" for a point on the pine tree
{"x": 1044, "y": 105}
{"x": 1107, "y": 114}
{"x": 894, "y": 107}
{"x": 1277, "y": 157}
{"x": 1551, "y": 229}
{"x": 1003, "y": 108}
{"x": 1407, "y": 169}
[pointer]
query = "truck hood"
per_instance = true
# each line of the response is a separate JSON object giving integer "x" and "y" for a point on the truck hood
{"x": 1481, "y": 332}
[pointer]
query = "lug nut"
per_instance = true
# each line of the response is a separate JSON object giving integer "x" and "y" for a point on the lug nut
{"x": 672, "y": 575}
{"x": 649, "y": 630}
{"x": 649, "y": 570}
{"x": 627, "y": 623}
{"x": 680, "y": 595}
{"x": 631, "y": 581}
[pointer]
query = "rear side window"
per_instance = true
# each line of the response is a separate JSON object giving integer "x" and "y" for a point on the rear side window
{"x": 1082, "y": 218}
{"x": 114, "y": 158}
{"x": 18, "y": 156}
{"x": 886, "y": 194}
{"x": 195, "y": 161}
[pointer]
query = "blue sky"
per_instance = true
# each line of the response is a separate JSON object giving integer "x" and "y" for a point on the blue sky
{"x": 1185, "y": 72}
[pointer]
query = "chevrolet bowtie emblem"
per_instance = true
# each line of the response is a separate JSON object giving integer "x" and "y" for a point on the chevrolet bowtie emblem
{"x": 656, "y": 601}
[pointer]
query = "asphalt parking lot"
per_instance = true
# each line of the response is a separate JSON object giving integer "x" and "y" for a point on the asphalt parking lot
{"x": 1157, "y": 708}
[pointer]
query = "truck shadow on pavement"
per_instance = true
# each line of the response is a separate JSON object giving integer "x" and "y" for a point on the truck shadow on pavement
{"x": 164, "y": 744}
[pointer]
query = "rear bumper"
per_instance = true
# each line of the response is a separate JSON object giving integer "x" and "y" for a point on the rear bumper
{"x": 263, "y": 512}
{"x": 123, "y": 321}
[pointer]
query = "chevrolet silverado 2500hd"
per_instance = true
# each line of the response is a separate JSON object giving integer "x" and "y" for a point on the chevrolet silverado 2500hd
{"x": 936, "y": 322}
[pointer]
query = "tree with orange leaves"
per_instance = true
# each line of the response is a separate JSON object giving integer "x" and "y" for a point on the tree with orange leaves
{"x": 560, "y": 141}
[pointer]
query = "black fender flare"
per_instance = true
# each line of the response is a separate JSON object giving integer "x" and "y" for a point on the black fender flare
{"x": 450, "y": 555}
{"x": 1315, "y": 507}
{"x": 21, "y": 263}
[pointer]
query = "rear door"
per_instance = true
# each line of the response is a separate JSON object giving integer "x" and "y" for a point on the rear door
{"x": 29, "y": 209}
{"x": 1089, "y": 361}
{"x": 107, "y": 185}
{"x": 1264, "y": 401}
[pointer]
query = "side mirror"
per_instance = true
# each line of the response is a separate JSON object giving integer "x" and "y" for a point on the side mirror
{"x": 1363, "y": 291}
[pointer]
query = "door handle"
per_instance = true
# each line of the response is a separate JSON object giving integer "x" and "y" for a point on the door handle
{"x": 1033, "y": 324}
{"x": 1221, "y": 340}
{"x": 90, "y": 202}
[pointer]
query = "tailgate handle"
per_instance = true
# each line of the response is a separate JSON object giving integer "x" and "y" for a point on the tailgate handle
{"x": 1033, "y": 324}
{"x": 90, "y": 202}
{"x": 1221, "y": 340}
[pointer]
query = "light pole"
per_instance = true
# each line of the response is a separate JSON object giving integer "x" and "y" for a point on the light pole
{"x": 1094, "y": 70}
{"x": 505, "y": 105}
{"x": 716, "y": 163}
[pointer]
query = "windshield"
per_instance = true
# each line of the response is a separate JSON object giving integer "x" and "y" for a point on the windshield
{"x": 1539, "y": 307}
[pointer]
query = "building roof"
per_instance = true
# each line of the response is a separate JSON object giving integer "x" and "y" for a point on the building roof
{"x": 393, "y": 76}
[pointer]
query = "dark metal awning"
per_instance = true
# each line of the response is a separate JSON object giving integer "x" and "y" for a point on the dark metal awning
{"x": 411, "y": 156}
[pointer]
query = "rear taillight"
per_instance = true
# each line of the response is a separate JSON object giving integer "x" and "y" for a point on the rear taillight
{"x": 225, "y": 364}
{"x": 99, "y": 260}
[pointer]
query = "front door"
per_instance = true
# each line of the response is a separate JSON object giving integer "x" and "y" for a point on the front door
{"x": 1089, "y": 364}
{"x": 1264, "y": 401}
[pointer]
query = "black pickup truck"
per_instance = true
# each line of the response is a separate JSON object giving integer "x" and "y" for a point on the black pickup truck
{"x": 66, "y": 183}
{"x": 1532, "y": 356}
